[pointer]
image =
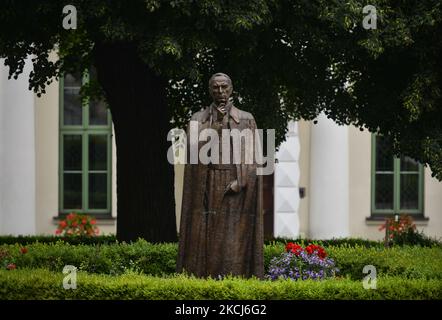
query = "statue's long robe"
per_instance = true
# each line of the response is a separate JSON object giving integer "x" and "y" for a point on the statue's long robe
{"x": 221, "y": 233}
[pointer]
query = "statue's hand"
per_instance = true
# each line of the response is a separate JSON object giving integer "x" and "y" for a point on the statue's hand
{"x": 233, "y": 186}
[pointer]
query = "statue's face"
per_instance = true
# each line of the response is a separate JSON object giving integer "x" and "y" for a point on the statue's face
{"x": 220, "y": 89}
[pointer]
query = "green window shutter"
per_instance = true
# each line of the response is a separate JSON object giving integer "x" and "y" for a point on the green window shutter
{"x": 396, "y": 183}
{"x": 85, "y": 151}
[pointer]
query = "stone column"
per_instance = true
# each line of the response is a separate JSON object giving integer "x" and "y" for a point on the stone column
{"x": 286, "y": 187}
{"x": 17, "y": 153}
{"x": 329, "y": 180}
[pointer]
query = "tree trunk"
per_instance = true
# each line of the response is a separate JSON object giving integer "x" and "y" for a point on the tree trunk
{"x": 145, "y": 179}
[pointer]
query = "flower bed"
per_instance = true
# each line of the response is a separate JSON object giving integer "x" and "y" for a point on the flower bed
{"x": 298, "y": 263}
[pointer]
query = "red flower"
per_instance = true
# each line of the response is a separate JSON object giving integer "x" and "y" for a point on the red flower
{"x": 24, "y": 250}
{"x": 11, "y": 266}
{"x": 321, "y": 252}
{"x": 293, "y": 248}
{"x": 312, "y": 248}
{"x": 77, "y": 224}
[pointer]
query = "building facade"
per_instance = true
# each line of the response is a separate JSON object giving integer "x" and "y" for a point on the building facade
{"x": 57, "y": 155}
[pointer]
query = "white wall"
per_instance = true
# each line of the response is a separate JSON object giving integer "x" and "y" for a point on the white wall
{"x": 286, "y": 185}
{"x": 329, "y": 180}
{"x": 304, "y": 128}
{"x": 17, "y": 154}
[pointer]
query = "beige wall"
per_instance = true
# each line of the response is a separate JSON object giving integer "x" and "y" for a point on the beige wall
{"x": 433, "y": 205}
{"x": 46, "y": 145}
{"x": 360, "y": 192}
{"x": 360, "y": 187}
{"x": 179, "y": 179}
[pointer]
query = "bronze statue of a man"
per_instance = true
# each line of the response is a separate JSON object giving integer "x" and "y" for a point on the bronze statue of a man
{"x": 221, "y": 229}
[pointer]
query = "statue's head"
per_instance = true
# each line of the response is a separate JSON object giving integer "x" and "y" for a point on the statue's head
{"x": 220, "y": 88}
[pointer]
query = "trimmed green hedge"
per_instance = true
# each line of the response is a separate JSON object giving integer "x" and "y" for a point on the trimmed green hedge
{"x": 74, "y": 240}
{"x": 409, "y": 261}
{"x": 160, "y": 259}
{"x": 113, "y": 259}
{"x": 43, "y": 284}
{"x": 111, "y": 239}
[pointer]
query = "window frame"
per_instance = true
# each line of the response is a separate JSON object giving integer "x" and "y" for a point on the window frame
{"x": 396, "y": 186}
{"x": 85, "y": 130}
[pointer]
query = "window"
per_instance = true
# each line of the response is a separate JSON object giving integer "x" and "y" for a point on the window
{"x": 397, "y": 183}
{"x": 85, "y": 150}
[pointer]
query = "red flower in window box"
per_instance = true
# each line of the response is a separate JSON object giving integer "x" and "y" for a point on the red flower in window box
{"x": 77, "y": 225}
{"x": 400, "y": 230}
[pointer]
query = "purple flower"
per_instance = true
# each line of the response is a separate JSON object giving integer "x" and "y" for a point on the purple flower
{"x": 302, "y": 266}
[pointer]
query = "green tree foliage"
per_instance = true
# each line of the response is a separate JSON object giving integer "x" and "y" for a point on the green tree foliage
{"x": 289, "y": 59}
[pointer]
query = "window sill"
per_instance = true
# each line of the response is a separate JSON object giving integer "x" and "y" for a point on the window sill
{"x": 102, "y": 220}
{"x": 419, "y": 219}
